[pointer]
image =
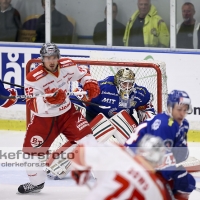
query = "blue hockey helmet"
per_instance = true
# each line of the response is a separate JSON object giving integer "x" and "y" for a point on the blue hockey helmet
{"x": 179, "y": 97}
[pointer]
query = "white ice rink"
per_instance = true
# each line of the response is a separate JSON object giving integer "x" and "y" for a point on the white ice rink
{"x": 12, "y": 177}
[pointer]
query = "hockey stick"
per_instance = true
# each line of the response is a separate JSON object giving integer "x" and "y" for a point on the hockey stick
{"x": 24, "y": 96}
{"x": 90, "y": 103}
{"x": 12, "y": 84}
{"x": 52, "y": 94}
{"x": 39, "y": 95}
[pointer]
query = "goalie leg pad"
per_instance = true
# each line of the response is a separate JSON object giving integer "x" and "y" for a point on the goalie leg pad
{"x": 124, "y": 125}
{"x": 102, "y": 128}
{"x": 59, "y": 161}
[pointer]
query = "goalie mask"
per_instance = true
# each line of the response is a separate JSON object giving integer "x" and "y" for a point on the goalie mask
{"x": 152, "y": 149}
{"x": 178, "y": 97}
{"x": 49, "y": 49}
{"x": 124, "y": 80}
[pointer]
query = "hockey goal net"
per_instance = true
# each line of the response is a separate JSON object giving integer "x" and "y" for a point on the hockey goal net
{"x": 151, "y": 75}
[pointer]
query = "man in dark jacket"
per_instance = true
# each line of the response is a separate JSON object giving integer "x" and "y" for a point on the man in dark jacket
{"x": 61, "y": 28}
{"x": 100, "y": 33}
{"x": 10, "y": 22}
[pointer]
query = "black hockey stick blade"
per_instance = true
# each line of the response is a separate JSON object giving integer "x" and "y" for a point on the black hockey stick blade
{"x": 90, "y": 103}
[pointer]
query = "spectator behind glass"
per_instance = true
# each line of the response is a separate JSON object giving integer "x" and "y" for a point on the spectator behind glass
{"x": 100, "y": 33}
{"x": 61, "y": 28}
{"x": 10, "y": 22}
{"x": 146, "y": 28}
{"x": 188, "y": 34}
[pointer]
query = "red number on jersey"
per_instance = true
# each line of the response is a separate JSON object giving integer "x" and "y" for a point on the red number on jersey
{"x": 135, "y": 195}
{"x": 29, "y": 91}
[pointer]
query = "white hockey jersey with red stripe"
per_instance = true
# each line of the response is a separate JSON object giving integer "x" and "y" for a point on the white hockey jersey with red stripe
{"x": 120, "y": 175}
{"x": 40, "y": 81}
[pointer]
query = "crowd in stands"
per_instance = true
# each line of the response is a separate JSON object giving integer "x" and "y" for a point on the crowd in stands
{"x": 145, "y": 27}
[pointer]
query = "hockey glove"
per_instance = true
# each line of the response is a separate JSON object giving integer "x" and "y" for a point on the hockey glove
{"x": 58, "y": 98}
{"x": 92, "y": 87}
{"x": 81, "y": 177}
{"x": 182, "y": 180}
{"x": 82, "y": 97}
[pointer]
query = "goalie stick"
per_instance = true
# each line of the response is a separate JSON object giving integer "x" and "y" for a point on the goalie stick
{"x": 90, "y": 103}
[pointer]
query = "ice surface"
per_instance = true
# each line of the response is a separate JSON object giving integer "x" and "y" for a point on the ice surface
{"x": 12, "y": 177}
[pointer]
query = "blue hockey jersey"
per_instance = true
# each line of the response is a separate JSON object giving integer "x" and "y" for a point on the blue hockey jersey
{"x": 174, "y": 138}
{"x": 173, "y": 135}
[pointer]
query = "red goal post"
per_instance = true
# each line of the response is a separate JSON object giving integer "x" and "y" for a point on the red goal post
{"x": 150, "y": 74}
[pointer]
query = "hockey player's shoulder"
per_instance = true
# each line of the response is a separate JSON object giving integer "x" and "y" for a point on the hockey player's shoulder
{"x": 167, "y": 121}
{"x": 107, "y": 81}
{"x": 185, "y": 122}
{"x": 66, "y": 62}
{"x": 141, "y": 90}
{"x": 36, "y": 74}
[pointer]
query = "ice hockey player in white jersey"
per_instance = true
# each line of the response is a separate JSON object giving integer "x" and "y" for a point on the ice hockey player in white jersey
{"x": 123, "y": 174}
{"x": 54, "y": 114}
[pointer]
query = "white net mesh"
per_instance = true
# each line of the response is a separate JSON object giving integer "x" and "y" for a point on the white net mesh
{"x": 145, "y": 76}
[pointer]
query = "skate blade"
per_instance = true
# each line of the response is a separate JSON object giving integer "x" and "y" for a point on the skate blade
{"x": 33, "y": 192}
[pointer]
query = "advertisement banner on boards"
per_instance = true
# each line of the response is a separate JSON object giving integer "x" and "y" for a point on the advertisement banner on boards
{"x": 182, "y": 69}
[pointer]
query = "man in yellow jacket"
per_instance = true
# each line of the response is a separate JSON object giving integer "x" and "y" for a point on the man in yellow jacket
{"x": 146, "y": 28}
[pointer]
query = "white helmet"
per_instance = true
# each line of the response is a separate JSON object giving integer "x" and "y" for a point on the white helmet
{"x": 49, "y": 49}
{"x": 152, "y": 149}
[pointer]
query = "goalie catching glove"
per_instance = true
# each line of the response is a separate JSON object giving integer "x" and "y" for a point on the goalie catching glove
{"x": 58, "y": 98}
{"x": 92, "y": 87}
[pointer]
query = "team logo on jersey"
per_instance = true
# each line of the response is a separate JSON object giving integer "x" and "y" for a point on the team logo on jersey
{"x": 36, "y": 141}
{"x": 106, "y": 82}
{"x": 156, "y": 124}
{"x": 168, "y": 144}
{"x": 107, "y": 100}
{"x": 109, "y": 93}
{"x": 38, "y": 73}
{"x": 81, "y": 123}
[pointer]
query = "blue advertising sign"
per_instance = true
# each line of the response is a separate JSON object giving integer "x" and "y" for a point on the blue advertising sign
{"x": 13, "y": 67}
